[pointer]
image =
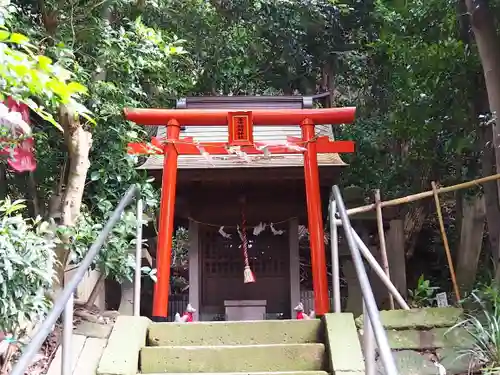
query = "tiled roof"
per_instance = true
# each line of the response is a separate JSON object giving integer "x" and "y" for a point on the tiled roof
{"x": 261, "y": 134}
{"x": 273, "y": 134}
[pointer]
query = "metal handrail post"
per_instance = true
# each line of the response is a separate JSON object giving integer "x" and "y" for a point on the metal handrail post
{"x": 138, "y": 259}
{"x": 335, "y": 257}
{"x": 366, "y": 253}
{"x": 46, "y": 327}
{"x": 368, "y": 344}
{"x": 67, "y": 335}
{"x": 379, "y": 271}
{"x": 366, "y": 290}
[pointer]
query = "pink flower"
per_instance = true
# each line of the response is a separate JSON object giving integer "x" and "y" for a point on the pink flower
{"x": 15, "y": 116}
{"x": 23, "y": 158}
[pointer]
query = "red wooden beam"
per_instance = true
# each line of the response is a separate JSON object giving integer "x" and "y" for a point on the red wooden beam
{"x": 323, "y": 146}
{"x": 262, "y": 117}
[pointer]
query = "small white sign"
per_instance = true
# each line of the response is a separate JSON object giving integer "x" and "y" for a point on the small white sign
{"x": 442, "y": 299}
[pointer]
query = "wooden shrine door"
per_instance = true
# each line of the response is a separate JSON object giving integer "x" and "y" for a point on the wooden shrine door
{"x": 222, "y": 270}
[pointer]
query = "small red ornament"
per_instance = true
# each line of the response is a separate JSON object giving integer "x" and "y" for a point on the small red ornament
{"x": 300, "y": 313}
{"x": 187, "y": 317}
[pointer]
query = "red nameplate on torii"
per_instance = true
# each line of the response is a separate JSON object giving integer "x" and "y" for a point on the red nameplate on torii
{"x": 240, "y": 128}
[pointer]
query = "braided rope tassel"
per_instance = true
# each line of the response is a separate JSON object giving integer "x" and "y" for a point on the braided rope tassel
{"x": 248, "y": 276}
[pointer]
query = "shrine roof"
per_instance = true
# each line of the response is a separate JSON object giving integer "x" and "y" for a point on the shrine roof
{"x": 272, "y": 134}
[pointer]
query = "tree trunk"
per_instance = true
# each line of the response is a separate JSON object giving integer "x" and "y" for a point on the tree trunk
{"x": 67, "y": 200}
{"x": 417, "y": 212}
{"x": 98, "y": 287}
{"x": 78, "y": 142}
{"x": 471, "y": 241}
{"x": 33, "y": 194}
{"x": 490, "y": 190}
{"x": 483, "y": 26}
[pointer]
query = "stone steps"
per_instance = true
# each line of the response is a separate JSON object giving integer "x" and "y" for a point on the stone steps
{"x": 85, "y": 355}
{"x": 236, "y": 333}
{"x": 250, "y": 373}
{"x": 311, "y": 347}
{"x": 233, "y": 358}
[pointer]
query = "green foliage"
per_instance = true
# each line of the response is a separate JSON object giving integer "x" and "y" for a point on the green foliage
{"x": 416, "y": 96}
{"x": 26, "y": 75}
{"x": 116, "y": 258}
{"x": 424, "y": 294}
{"x": 180, "y": 247}
{"x": 268, "y": 46}
{"x": 26, "y": 267}
{"x": 483, "y": 324}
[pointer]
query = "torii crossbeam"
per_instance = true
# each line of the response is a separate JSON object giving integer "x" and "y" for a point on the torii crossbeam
{"x": 240, "y": 136}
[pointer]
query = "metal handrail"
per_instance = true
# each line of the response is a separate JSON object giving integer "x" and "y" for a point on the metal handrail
{"x": 66, "y": 299}
{"x": 372, "y": 322}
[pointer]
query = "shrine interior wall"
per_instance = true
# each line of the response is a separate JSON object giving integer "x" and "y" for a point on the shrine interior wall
{"x": 216, "y": 261}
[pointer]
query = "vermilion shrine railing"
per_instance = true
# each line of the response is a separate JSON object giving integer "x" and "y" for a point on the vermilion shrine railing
{"x": 240, "y": 141}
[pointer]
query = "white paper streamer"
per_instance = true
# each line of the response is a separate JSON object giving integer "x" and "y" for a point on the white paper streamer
{"x": 152, "y": 149}
{"x": 237, "y": 151}
{"x": 265, "y": 150}
{"x": 224, "y": 234}
{"x": 259, "y": 229}
{"x": 205, "y": 154}
{"x": 294, "y": 147}
{"x": 276, "y": 232}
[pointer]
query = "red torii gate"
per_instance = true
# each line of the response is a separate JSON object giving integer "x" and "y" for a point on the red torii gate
{"x": 240, "y": 130}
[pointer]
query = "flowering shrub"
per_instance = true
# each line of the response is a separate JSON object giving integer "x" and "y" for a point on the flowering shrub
{"x": 26, "y": 267}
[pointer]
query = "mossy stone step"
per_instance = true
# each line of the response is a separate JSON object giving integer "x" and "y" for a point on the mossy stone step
{"x": 434, "y": 317}
{"x": 343, "y": 342}
{"x": 429, "y": 339}
{"x": 410, "y": 362}
{"x": 240, "y": 358}
{"x": 235, "y": 333}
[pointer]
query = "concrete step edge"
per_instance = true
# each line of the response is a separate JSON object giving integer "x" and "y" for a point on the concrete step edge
{"x": 317, "y": 372}
{"x": 244, "y": 322}
{"x": 245, "y": 346}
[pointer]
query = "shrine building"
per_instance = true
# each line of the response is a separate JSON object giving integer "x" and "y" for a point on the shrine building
{"x": 262, "y": 194}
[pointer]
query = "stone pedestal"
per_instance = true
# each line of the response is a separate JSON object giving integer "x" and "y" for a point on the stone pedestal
{"x": 245, "y": 310}
{"x": 355, "y": 296}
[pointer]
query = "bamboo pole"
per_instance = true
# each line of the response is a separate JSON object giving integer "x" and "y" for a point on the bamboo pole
{"x": 445, "y": 241}
{"x": 383, "y": 248}
{"x": 422, "y": 195}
